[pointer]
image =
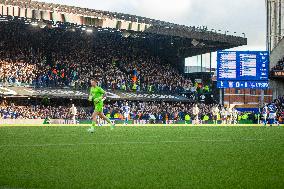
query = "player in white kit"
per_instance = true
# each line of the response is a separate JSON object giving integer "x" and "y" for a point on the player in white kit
{"x": 235, "y": 114}
{"x": 264, "y": 113}
{"x": 195, "y": 112}
{"x": 126, "y": 113}
{"x": 215, "y": 113}
{"x": 229, "y": 115}
{"x": 223, "y": 115}
{"x": 73, "y": 111}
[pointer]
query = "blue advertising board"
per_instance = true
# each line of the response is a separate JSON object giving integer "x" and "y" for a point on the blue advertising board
{"x": 242, "y": 65}
{"x": 243, "y": 84}
{"x": 242, "y": 69}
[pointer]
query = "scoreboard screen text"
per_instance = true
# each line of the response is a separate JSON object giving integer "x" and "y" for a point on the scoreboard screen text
{"x": 242, "y": 69}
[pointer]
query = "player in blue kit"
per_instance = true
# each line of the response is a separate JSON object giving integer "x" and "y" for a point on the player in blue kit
{"x": 126, "y": 112}
{"x": 272, "y": 114}
{"x": 264, "y": 113}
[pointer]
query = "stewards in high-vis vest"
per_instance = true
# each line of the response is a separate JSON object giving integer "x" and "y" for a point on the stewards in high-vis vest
{"x": 134, "y": 87}
{"x": 187, "y": 118}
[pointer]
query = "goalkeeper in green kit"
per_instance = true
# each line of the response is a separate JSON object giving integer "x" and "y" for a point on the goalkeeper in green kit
{"x": 97, "y": 96}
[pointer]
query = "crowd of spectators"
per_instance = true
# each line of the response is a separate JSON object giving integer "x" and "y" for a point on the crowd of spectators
{"x": 139, "y": 110}
{"x": 59, "y": 58}
{"x": 37, "y": 112}
{"x": 151, "y": 72}
{"x": 158, "y": 112}
{"x": 16, "y": 72}
{"x": 279, "y": 102}
{"x": 279, "y": 66}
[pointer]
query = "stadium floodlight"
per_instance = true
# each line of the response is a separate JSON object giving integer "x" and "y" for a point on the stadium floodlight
{"x": 34, "y": 24}
{"x": 3, "y": 19}
{"x": 89, "y": 30}
{"x": 42, "y": 24}
{"x": 126, "y": 34}
{"x": 194, "y": 42}
{"x": 226, "y": 32}
{"x": 244, "y": 34}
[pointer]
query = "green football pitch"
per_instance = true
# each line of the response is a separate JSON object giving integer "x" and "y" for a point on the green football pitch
{"x": 142, "y": 157}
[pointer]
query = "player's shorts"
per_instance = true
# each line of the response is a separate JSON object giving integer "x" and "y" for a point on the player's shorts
{"x": 215, "y": 117}
{"x": 99, "y": 106}
{"x": 272, "y": 115}
{"x": 195, "y": 117}
{"x": 126, "y": 115}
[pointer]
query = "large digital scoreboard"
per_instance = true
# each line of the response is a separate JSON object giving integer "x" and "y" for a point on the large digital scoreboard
{"x": 242, "y": 69}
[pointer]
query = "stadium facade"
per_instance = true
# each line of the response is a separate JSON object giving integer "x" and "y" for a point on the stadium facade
{"x": 275, "y": 44}
{"x": 275, "y": 22}
{"x": 64, "y": 47}
{"x": 171, "y": 41}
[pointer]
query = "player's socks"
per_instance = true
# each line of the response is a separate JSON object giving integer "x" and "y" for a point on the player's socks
{"x": 112, "y": 126}
{"x": 108, "y": 120}
{"x": 93, "y": 124}
{"x": 92, "y": 128}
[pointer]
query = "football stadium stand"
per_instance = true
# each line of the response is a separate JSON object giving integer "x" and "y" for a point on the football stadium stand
{"x": 53, "y": 51}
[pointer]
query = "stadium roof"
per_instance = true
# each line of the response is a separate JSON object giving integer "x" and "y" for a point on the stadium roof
{"x": 171, "y": 39}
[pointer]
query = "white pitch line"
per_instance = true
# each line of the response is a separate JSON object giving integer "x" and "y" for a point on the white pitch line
{"x": 232, "y": 140}
{"x": 217, "y": 140}
{"x": 117, "y": 143}
{"x": 251, "y": 139}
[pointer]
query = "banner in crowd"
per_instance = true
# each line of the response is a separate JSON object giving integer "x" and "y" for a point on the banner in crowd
{"x": 76, "y": 94}
{"x": 78, "y": 122}
{"x": 66, "y": 122}
{"x": 277, "y": 73}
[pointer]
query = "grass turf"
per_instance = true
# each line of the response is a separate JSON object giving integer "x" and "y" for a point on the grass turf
{"x": 142, "y": 157}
